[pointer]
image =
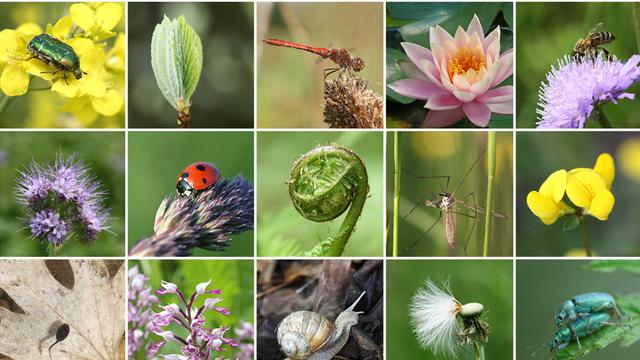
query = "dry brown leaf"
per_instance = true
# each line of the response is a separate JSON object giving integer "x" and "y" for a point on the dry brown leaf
{"x": 38, "y": 296}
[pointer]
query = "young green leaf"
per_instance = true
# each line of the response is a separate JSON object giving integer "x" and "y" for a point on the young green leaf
{"x": 608, "y": 266}
{"x": 176, "y": 59}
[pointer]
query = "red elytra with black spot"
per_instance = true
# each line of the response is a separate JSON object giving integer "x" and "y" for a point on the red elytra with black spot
{"x": 197, "y": 177}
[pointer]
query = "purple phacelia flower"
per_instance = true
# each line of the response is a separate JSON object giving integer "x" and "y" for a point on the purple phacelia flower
{"x": 574, "y": 89}
{"x": 66, "y": 189}
{"x": 46, "y": 225}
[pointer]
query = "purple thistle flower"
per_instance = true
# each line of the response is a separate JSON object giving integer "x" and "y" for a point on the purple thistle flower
{"x": 576, "y": 87}
{"x": 67, "y": 189}
{"x": 46, "y": 225}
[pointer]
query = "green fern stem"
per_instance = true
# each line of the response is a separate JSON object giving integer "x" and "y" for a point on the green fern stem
{"x": 325, "y": 182}
{"x": 491, "y": 170}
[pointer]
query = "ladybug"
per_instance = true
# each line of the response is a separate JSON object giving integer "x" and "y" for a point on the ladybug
{"x": 198, "y": 176}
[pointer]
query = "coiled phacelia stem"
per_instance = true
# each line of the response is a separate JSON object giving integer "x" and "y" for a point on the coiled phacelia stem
{"x": 323, "y": 183}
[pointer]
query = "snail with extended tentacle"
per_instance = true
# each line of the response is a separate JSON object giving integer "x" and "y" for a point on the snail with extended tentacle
{"x": 309, "y": 335}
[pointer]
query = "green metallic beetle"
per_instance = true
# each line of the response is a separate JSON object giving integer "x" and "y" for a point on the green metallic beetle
{"x": 582, "y": 327}
{"x": 57, "y": 54}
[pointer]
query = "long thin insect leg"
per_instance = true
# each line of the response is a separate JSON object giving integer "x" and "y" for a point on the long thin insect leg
{"x": 475, "y": 219}
{"x": 468, "y": 172}
{"x": 448, "y": 177}
{"x": 329, "y": 71}
{"x": 415, "y": 207}
{"x": 423, "y": 234}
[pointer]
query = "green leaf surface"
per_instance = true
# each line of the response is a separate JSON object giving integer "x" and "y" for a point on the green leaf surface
{"x": 598, "y": 341}
{"x": 436, "y": 12}
{"x": 609, "y": 266}
{"x": 176, "y": 59}
{"x": 630, "y": 306}
{"x": 571, "y": 223}
{"x": 507, "y": 12}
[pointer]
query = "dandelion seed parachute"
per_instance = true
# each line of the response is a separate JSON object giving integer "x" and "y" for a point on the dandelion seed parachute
{"x": 433, "y": 311}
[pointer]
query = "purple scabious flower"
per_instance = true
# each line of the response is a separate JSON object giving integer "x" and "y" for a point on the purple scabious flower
{"x": 139, "y": 313}
{"x": 62, "y": 199}
{"x": 200, "y": 341}
{"x": 574, "y": 89}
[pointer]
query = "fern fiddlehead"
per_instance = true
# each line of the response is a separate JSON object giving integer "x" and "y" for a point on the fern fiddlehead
{"x": 323, "y": 184}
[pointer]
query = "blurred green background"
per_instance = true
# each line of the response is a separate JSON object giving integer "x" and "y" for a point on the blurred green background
{"x": 282, "y": 231}
{"x": 224, "y": 96}
{"x": 156, "y": 159}
{"x": 410, "y": 21}
{"x": 39, "y": 109}
{"x": 449, "y": 153}
{"x": 488, "y": 282}
{"x": 548, "y": 31}
{"x": 102, "y": 151}
{"x": 540, "y": 154}
{"x": 233, "y": 277}
{"x": 542, "y": 286}
{"x": 290, "y": 82}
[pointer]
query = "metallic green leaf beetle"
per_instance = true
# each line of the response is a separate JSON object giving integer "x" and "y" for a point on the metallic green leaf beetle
{"x": 57, "y": 54}
{"x": 585, "y": 305}
{"x": 582, "y": 327}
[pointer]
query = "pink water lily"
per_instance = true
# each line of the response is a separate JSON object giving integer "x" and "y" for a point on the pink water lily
{"x": 458, "y": 76}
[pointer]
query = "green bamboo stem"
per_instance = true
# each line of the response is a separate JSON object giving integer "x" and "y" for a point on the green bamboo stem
{"x": 323, "y": 184}
{"x": 491, "y": 170}
{"x": 585, "y": 236}
{"x": 396, "y": 191}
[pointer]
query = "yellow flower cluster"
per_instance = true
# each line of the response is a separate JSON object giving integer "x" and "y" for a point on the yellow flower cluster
{"x": 100, "y": 91}
{"x": 588, "y": 189}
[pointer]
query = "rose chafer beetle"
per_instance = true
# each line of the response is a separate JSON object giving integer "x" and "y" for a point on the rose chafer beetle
{"x": 581, "y": 327}
{"x": 584, "y": 306}
{"x": 56, "y": 54}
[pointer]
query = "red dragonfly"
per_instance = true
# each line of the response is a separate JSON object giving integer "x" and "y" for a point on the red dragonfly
{"x": 340, "y": 57}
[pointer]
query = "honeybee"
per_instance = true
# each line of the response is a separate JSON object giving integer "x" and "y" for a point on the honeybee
{"x": 590, "y": 45}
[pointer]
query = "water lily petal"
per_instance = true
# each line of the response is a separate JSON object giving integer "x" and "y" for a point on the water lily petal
{"x": 501, "y": 94}
{"x": 505, "y": 63}
{"x": 432, "y": 72}
{"x": 460, "y": 82}
{"x": 493, "y": 35}
{"x": 582, "y": 186}
{"x": 555, "y": 185}
{"x": 501, "y": 108}
{"x": 14, "y": 80}
{"x": 606, "y": 168}
{"x": 412, "y": 71}
{"x": 485, "y": 82}
{"x": 493, "y": 49}
{"x": 438, "y": 35}
{"x": 416, "y": 53}
{"x": 437, "y": 118}
{"x": 461, "y": 38}
{"x": 602, "y": 205}
{"x": 415, "y": 88}
{"x": 108, "y": 105}
{"x": 443, "y": 102}
{"x": 475, "y": 27}
{"x": 477, "y": 112}
{"x": 464, "y": 96}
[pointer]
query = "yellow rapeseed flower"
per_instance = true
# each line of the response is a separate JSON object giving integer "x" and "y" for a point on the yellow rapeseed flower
{"x": 97, "y": 24}
{"x": 546, "y": 203}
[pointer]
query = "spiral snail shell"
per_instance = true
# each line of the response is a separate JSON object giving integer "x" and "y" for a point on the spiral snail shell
{"x": 309, "y": 335}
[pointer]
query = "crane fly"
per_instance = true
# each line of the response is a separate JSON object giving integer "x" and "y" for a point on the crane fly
{"x": 451, "y": 206}
{"x": 340, "y": 56}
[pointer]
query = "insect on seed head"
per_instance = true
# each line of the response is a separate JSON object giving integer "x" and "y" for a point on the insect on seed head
{"x": 471, "y": 309}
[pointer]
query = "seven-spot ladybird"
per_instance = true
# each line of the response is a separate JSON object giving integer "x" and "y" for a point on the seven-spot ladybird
{"x": 197, "y": 177}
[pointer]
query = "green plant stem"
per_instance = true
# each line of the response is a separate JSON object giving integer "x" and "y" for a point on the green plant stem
{"x": 601, "y": 117}
{"x": 491, "y": 170}
{"x": 636, "y": 20}
{"x": 585, "y": 237}
{"x": 479, "y": 350}
{"x": 396, "y": 191}
{"x": 52, "y": 250}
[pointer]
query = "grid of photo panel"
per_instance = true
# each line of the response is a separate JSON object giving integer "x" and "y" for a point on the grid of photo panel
{"x": 319, "y": 180}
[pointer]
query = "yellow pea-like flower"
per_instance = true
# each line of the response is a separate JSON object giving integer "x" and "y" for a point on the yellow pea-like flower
{"x": 546, "y": 203}
{"x": 587, "y": 189}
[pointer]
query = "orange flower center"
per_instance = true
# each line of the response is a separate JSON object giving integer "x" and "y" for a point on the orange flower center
{"x": 464, "y": 60}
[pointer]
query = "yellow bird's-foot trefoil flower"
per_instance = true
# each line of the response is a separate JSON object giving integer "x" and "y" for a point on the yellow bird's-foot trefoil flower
{"x": 589, "y": 189}
{"x": 546, "y": 203}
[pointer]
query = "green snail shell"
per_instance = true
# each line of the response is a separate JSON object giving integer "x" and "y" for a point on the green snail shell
{"x": 324, "y": 181}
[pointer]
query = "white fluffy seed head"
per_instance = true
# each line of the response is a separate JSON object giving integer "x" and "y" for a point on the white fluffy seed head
{"x": 433, "y": 312}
